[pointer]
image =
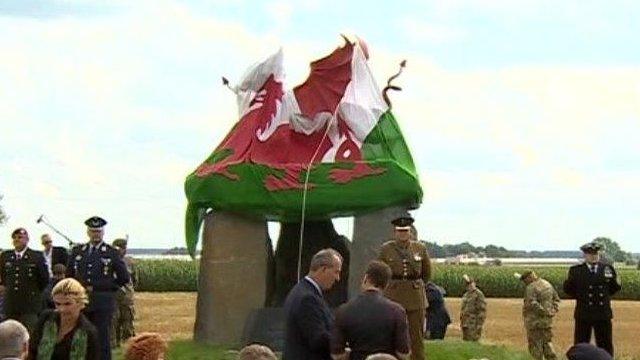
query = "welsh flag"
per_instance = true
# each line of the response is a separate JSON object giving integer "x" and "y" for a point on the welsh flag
{"x": 336, "y": 125}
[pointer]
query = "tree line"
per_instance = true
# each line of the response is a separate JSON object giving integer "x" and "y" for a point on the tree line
{"x": 612, "y": 251}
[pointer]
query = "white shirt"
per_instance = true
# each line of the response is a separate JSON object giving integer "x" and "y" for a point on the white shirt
{"x": 47, "y": 259}
{"x": 314, "y": 283}
{"x": 95, "y": 247}
{"x": 20, "y": 254}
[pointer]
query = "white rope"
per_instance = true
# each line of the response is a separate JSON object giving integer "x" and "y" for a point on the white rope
{"x": 304, "y": 194}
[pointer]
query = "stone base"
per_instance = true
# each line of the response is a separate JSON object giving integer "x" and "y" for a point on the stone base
{"x": 233, "y": 276}
{"x": 265, "y": 326}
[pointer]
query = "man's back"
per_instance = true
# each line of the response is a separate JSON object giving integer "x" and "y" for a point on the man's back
{"x": 371, "y": 324}
{"x": 308, "y": 324}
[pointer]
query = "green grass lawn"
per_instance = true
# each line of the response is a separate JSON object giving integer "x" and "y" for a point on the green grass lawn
{"x": 436, "y": 350}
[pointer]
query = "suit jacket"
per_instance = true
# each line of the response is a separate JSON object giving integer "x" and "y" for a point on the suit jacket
{"x": 59, "y": 255}
{"x": 370, "y": 324}
{"x": 592, "y": 291}
{"x": 103, "y": 269}
{"x": 24, "y": 281}
{"x": 308, "y": 322}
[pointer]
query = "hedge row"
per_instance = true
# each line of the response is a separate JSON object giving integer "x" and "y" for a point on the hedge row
{"x": 495, "y": 281}
{"x": 499, "y": 281}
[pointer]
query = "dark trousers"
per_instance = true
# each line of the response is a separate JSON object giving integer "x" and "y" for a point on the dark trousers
{"x": 601, "y": 330}
{"x": 101, "y": 319}
{"x": 437, "y": 332}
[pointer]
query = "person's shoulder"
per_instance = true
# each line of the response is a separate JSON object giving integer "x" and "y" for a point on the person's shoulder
{"x": 387, "y": 245}
{"x": 34, "y": 253}
{"x": 48, "y": 314}
{"x": 87, "y": 325}
{"x": 418, "y": 245}
{"x": 77, "y": 248}
{"x": 576, "y": 267}
{"x": 110, "y": 250}
{"x": 4, "y": 253}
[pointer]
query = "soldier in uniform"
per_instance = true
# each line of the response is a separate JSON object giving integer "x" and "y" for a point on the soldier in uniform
{"x": 473, "y": 311}
{"x": 592, "y": 284}
{"x": 100, "y": 269}
{"x": 541, "y": 304}
{"x": 411, "y": 269}
{"x": 23, "y": 277}
{"x": 122, "y": 323}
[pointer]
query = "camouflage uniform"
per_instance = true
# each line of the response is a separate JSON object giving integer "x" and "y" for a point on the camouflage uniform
{"x": 124, "y": 314}
{"x": 541, "y": 302}
{"x": 472, "y": 314}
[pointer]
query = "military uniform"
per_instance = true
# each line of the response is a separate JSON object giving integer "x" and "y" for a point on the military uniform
{"x": 592, "y": 285}
{"x": 124, "y": 314}
{"x": 411, "y": 270}
{"x": 101, "y": 270}
{"x": 541, "y": 304}
{"x": 473, "y": 312}
{"x": 24, "y": 276}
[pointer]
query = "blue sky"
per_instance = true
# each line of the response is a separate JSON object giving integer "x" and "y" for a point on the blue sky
{"x": 523, "y": 117}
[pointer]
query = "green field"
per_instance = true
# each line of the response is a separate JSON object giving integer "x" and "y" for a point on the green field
{"x": 495, "y": 281}
{"x": 436, "y": 350}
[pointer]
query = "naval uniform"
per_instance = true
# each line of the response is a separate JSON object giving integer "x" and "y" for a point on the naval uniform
{"x": 24, "y": 276}
{"x": 592, "y": 285}
{"x": 101, "y": 268}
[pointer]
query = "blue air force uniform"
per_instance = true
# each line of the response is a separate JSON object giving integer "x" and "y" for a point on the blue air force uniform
{"x": 100, "y": 269}
{"x": 592, "y": 285}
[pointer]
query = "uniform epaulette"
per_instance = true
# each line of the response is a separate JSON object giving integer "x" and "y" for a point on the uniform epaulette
{"x": 388, "y": 242}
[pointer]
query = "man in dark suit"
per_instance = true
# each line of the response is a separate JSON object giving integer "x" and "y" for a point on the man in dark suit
{"x": 371, "y": 323}
{"x": 308, "y": 319}
{"x": 100, "y": 269}
{"x": 592, "y": 284}
{"x": 53, "y": 254}
{"x": 23, "y": 277}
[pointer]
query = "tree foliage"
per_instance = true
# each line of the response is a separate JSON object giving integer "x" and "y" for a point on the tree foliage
{"x": 612, "y": 250}
{"x": 3, "y": 215}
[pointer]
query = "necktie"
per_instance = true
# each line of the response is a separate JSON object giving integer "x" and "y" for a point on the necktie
{"x": 18, "y": 256}
{"x": 593, "y": 269}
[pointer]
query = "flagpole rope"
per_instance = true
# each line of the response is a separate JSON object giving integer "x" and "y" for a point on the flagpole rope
{"x": 304, "y": 194}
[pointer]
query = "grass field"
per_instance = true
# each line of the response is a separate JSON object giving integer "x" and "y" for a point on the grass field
{"x": 449, "y": 350}
{"x": 172, "y": 314}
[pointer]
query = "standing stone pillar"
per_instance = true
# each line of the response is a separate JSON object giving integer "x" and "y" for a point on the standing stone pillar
{"x": 370, "y": 231}
{"x": 233, "y": 274}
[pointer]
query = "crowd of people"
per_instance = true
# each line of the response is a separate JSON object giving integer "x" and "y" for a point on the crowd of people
{"x": 75, "y": 305}
{"x": 399, "y": 306}
{"x": 62, "y": 306}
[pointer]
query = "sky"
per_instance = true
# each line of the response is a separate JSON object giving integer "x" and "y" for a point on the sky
{"x": 523, "y": 117}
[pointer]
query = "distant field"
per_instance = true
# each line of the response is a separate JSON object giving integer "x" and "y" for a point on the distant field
{"x": 496, "y": 281}
{"x": 173, "y": 314}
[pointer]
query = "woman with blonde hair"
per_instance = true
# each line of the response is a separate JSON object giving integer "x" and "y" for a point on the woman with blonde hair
{"x": 65, "y": 333}
{"x": 146, "y": 346}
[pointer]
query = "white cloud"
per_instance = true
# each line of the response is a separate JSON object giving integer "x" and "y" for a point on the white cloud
{"x": 109, "y": 114}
